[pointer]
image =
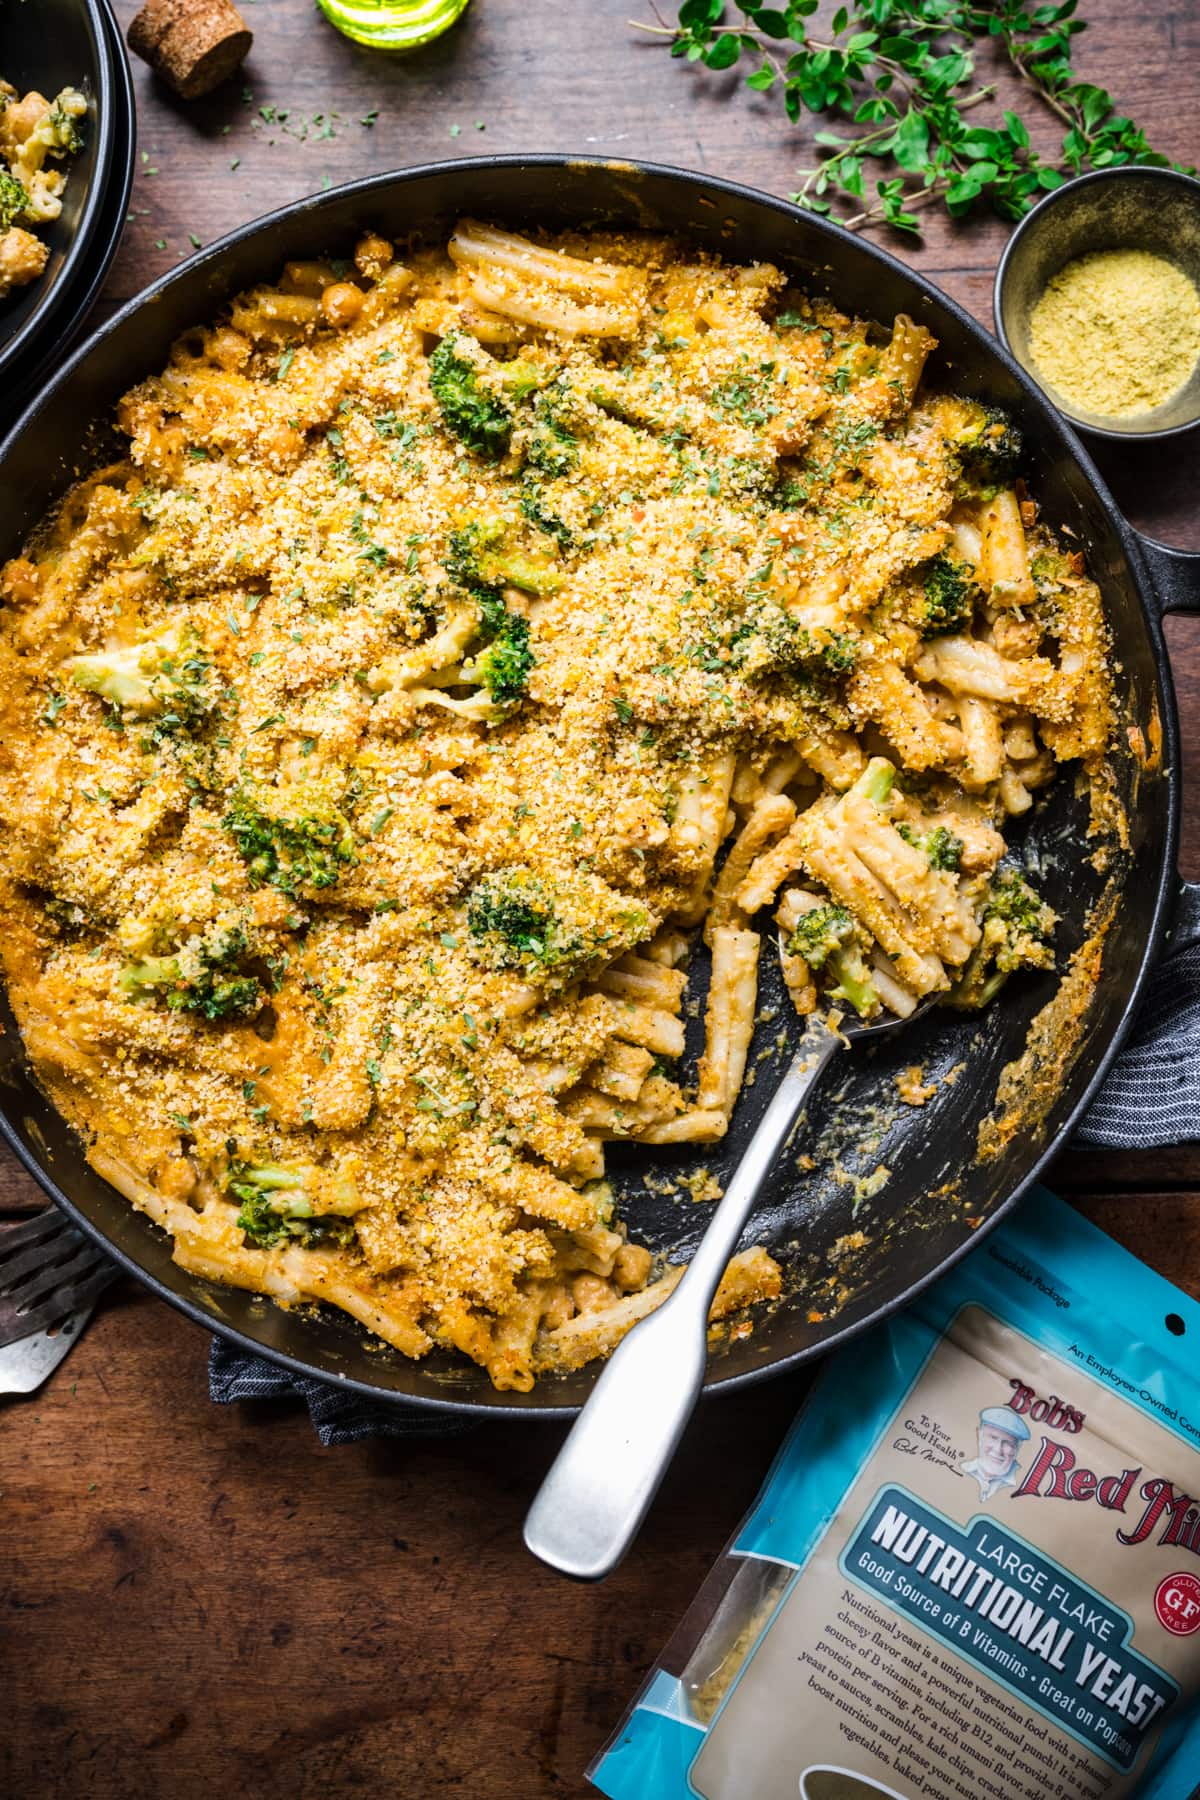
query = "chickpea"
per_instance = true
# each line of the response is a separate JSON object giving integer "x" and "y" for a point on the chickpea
{"x": 24, "y": 116}
{"x": 19, "y": 581}
{"x": 342, "y": 303}
{"x": 229, "y": 348}
{"x": 591, "y": 1294}
{"x": 280, "y": 445}
{"x": 631, "y": 1267}
{"x": 372, "y": 254}
{"x": 559, "y": 1309}
{"x": 176, "y": 1178}
{"x": 678, "y": 330}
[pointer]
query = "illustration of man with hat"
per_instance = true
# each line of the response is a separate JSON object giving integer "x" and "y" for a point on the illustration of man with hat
{"x": 1001, "y": 1434}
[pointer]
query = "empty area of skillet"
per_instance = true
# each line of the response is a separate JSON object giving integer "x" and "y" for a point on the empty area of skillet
{"x": 892, "y": 1192}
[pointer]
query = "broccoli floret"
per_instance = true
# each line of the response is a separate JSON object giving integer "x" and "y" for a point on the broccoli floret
{"x": 1017, "y": 926}
{"x": 624, "y": 404}
{"x": 553, "y": 447}
{"x": 68, "y": 137}
{"x": 807, "y": 661}
{"x": 479, "y": 418}
{"x": 794, "y": 645}
{"x": 276, "y": 1210}
{"x": 947, "y": 597}
{"x": 1050, "y": 569}
{"x": 504, "y": 666}
{"x": 988, "y": 450}
{"x": 832, "y": 652}
{"x": 854, "y": 984}
{"x": 306, "y": 851}
{"x": 876, "y": 781}
{"x": 14, "y": 200}
{"x": 514, "y": 916}
{"x": 117, "y": 676}
{"x": 838, "y": 653}
{"x": 468, "y": 544}
{"x": 481, "y": 560}
{"x": 154, "y": 677}
{"x": 550, "y": 929}
{"x": 520, "y": 379}
{"x": 512, "y": 909}
{"x": 206, "y": 975}
{"x": 943, "y": 849}
{"x": 533, "y": 506}
{"x": 479, "y": 563}
{"x": 827, "y": 939}
{"x": 819, "y": 933}
{"x": 1028, "y": 922}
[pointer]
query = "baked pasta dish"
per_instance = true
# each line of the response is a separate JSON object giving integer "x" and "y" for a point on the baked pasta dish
{"x": 36, "y": 135}
{"x": 466, "y": 633}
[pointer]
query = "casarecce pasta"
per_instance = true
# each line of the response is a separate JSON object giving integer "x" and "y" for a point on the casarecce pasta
{"x": 467, "y": 632}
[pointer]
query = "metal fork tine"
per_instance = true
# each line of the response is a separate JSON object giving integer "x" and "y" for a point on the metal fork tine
{"x": 86, "y": 1292}
{"x": 59, "y": 1306}
{"x": 56, "y": 1276}
{"x": 38, "y": 1230}
{"x": 50, "y": 1253}
{"x": 49, "y": 1272}
{"x": 71, "y": 1286}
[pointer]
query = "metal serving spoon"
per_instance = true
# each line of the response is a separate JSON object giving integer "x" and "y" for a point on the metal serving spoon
{"x": 600, "y": 1485}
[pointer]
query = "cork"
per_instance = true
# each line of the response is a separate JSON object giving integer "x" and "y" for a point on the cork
{"x": 194, "y": 45}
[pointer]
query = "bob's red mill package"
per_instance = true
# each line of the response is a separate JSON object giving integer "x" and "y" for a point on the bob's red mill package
{"x": 974, "y": 1570}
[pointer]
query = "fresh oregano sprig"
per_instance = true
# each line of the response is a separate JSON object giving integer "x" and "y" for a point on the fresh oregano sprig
{"x": 903, "y": 71}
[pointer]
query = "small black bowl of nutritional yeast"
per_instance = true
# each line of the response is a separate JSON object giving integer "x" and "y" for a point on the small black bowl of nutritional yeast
{"x": 66, "y": 159}
{"x": 1098, "y": 296}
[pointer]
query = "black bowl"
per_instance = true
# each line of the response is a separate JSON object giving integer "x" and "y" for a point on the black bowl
{"x": 48, "y": 46}
{"x": 79, "y": 290}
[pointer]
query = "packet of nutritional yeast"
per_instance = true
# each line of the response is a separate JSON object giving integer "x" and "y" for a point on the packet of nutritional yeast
{"x": 974, "y": 1570}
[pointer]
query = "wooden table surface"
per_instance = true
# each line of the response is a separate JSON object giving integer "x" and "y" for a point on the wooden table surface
{"x": 198, "y": 1600}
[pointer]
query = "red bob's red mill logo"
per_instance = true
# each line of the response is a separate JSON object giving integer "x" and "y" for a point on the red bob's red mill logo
{"x": 1056, "y": 1474}
{"x": 1053, "y": 1413}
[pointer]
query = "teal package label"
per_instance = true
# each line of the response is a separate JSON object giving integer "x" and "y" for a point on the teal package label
{"x": 974, "y": 1570}
{"x": 1019, "y": 1617}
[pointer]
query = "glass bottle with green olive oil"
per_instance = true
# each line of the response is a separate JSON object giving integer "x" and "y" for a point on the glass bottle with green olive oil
{"x": 391, "y": 24}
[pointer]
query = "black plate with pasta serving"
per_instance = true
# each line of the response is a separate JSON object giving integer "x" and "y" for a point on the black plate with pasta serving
{"x": 886, "y": 1194}
{"x": 47, "y": 47}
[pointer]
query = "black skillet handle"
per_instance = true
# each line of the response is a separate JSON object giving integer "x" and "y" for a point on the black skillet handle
{"x": 1175, "y": 577}
{"x": 1184, "y": 930}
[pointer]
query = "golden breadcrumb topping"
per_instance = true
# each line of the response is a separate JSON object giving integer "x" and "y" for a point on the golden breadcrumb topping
{"x": 463, "y": 629}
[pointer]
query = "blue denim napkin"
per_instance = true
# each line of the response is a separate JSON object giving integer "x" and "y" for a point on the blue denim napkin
{"x": 1152, "y": 1095}
{"x": 338, "y": 1416}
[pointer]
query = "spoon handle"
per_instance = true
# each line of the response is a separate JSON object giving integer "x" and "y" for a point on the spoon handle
{"x": 590, "y": 1505}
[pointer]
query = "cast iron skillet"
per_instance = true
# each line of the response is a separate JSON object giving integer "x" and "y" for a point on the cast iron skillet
{"x": 937, "y": 1200}
{"x": 48, "y": 46}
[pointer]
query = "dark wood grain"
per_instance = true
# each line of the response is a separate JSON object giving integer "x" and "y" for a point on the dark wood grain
{"x": 199, "y": 1601}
